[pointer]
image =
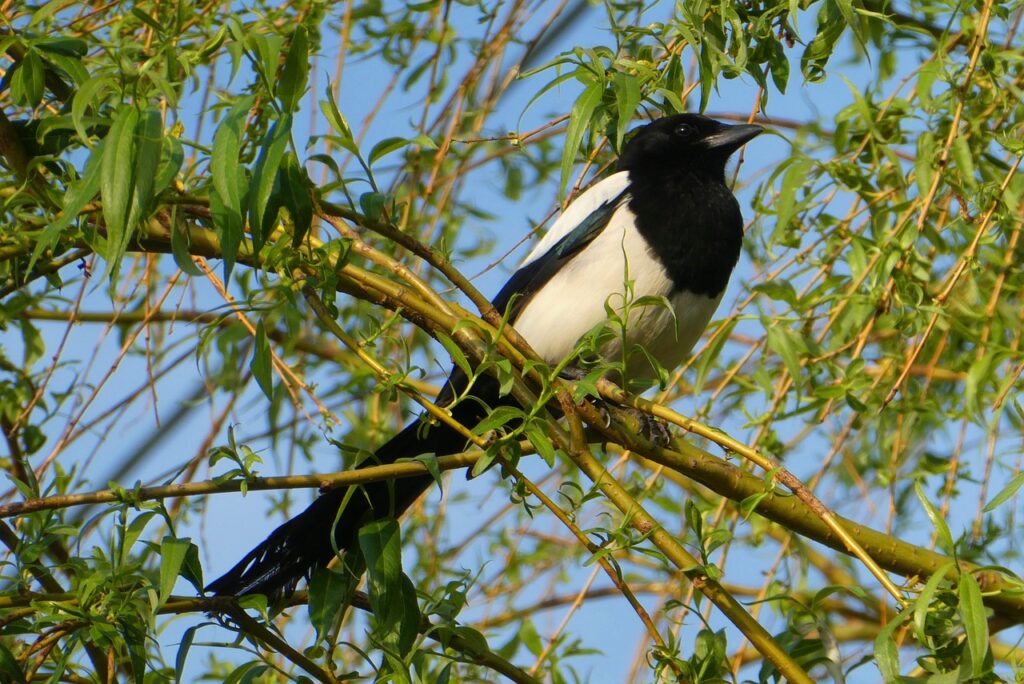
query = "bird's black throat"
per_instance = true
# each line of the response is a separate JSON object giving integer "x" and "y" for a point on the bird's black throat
{"x": 692, "y": 223}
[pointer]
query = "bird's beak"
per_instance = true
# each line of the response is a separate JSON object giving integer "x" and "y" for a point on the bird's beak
{"x": 731, "y": 138}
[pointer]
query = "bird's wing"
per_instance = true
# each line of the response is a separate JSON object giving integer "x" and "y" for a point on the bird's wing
{"x": 587, "y": 216}
{"x": 607, "y": 190}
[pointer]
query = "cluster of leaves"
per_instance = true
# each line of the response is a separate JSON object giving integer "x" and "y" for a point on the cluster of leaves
{"x": 875, "y": 343}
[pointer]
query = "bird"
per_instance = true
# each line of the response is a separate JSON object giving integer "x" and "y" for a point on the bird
{"x": 663, "y": 228}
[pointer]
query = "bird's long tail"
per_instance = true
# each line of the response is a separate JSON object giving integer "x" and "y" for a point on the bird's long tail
{"x": 302, "y": 544}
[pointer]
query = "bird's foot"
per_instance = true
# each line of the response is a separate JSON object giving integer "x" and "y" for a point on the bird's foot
{"x": 654, "y": 429}
{"x": 574, "y": 373}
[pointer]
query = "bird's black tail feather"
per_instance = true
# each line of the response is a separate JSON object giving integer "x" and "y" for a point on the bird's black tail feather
{"x": 303, "y": 544}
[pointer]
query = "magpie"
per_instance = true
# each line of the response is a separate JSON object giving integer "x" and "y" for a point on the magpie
{"x": 664, "y": 230}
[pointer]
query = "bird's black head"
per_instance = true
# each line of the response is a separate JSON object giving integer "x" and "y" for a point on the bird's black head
{"x": 689, "y": 142}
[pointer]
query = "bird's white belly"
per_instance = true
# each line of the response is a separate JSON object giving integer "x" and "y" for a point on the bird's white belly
{"x": 578, "y": 297}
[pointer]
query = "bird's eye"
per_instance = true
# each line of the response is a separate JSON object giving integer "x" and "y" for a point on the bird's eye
{"x": 685, "y": 130}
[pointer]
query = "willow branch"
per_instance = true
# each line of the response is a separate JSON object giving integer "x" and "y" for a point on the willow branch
{"x": 324, "y": 481}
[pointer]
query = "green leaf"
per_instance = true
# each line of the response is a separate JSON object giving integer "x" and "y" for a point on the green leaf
{"x": 246, "y": 673}
{"x": 429, "y": 461}
{"x": 171, "y": 158}
{"x": 887, "y": 655}
{"x": 135, "y": 642}
{"x": 264, "y": 53}
{"x": 228, "y": 181}
{"x": 627, "y": 100}
{"x": 537, "y": 433}
{"x": 79, "y": 193}
{"x": 338, "y": 122}
{"x": 62, "y": 45}
{"x": 133, "y": 530}
{"x": 172, "y": 556}
{"x": 458, "y": 356}
{"x": 788, "y": 344}
{"x": 381, "y": 544}
{"x": 292, "y": 83}
{"x": 328, "y": 597}
{"x": 263, "y": 177}
{"x": 84, "y": 96}
{"x": 295, "y": 191}
{"x": 579, "y": 119}
{"x": 497, "y": 418}
{"x": 147, "y": 20}
{"x": 180, "y": 245}
{"x": 148, "y": 148}
{"x": 793, "y": 182}
{"x": 28, "y": 80}
{"x": 261, "y": 362}
{"x": 972, "y": 611}
{"x": 33, "y": 345}
{"x": 192, "y": 569}
{"x": 819, "y": 50}
{"x": 116, "y": 182}
{"x": 706, "y": 359}
{"x": 938, "y": 522}
{"x": 1005, "y": 493}
{"x": 964, "y": 160}
{"x": 922, "y": 604}
{"x": 386, "y": 146}
{"x": 183, "y": 647}
{"x": 372, "y": 204}
{"x": 392, "y": 595}
{"x": 9, "y": 667}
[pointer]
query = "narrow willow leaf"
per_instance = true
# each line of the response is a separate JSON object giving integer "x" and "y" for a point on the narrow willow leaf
{"x": 228, "y": 181}
{"x": 295, "y": 192}
{"x": 338, "y": 122}
{"x": 328, "y": 596}
{"x": 1005, "y": 493}
{"x": 135, "y": 641}
{"x": 171, "y": 158}
{"x": 291, "y": 85}
{"x": 182, "y": 655}
{"x": 84, "y": 96}
{"x": 148, "y": 147}
{"x": 246, "y": 673}
{"x": 134, "y": 529}
{"x": 261, "y": 365}
{"x": 27, "y": 80}
{"x": 385, "y": 147}
{"x": 887, "y": 655}
{"x": 537, "y": 433}
{"x": 9, "y": 667}
{"x": 938, "y": 522}
{"x": 116, "y": 183}
{"x": 923, "y": 602}
{"x": 227, "y": 146}
{"x": 180, "y": 245}
{"x": 263, "y": 177}
{"x": 192, "y": 569}
{"x": 429, "y": 462}
{"x": 172, "y": 556}
{"x": 972, "y": 611}
{"x": 458, "y": 356}
{"x": 79, "y": 194}
{"x": 627, "y": 99}
{"x": 392, "y": 595}
{"x": 409, "y": 626}
{"x": 579, "y": 119}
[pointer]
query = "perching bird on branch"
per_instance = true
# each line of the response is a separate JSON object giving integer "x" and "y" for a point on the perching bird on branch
{"x": 664, "y": 226}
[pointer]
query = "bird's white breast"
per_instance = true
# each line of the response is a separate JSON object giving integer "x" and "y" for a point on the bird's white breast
{"x": 574, "y": 301}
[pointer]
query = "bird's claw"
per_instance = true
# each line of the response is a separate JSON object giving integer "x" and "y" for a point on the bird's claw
{"x": 654, "y": 429}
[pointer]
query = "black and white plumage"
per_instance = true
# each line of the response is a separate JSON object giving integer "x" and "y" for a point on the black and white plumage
{"x": 665, "y": 221}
